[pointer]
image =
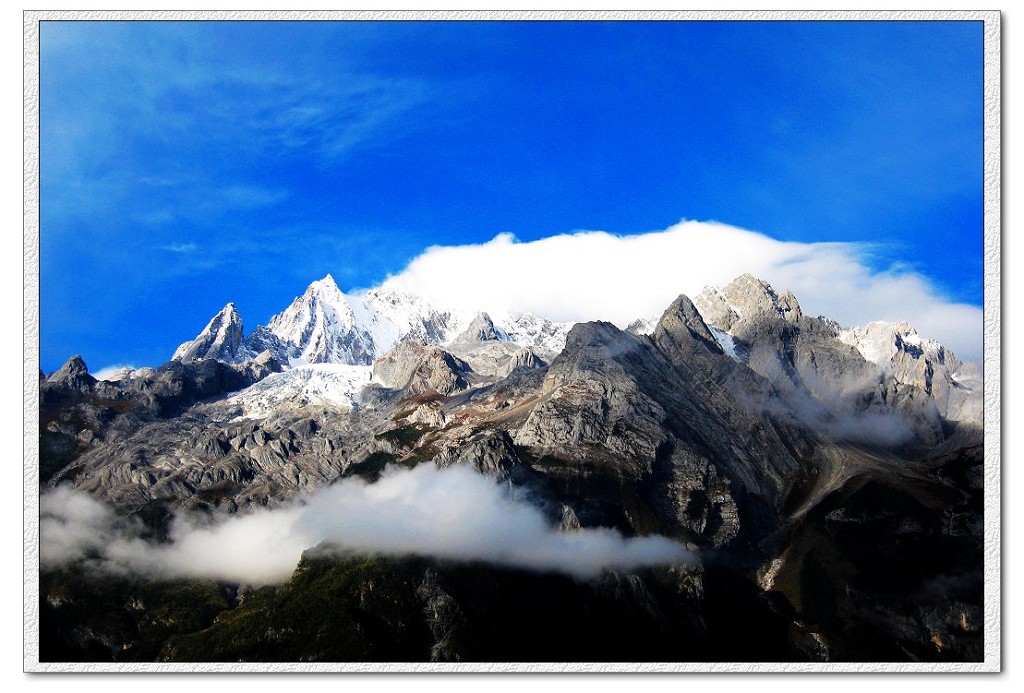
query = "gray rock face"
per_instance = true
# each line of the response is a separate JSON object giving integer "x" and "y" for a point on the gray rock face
{"x": 619, "y": 405}
{"x": 496, "y": 359}
{"x": 262, "y": 339}
{"x": 73, "y": 375}
{"x": 746, "y": 297}
{"x": 481, "y": 329}
{"x": 197, "y": 462}
{"x": 954, "y": 386}
{"x": 221, "y": 339}
{"x": 415, "y": 369}
{"x": 823, "y": 376}
{"x": 490, "y": 454}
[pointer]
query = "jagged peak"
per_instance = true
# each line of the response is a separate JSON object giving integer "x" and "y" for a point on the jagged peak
{"x": 72, "y": 367}
{"x": 681, "y": 322}
{"x": 480, "y": 329}
{"x": 322, "y": 292}
{"x": 879, "y": 341}
{"x": 74, "y": 373}
{"x": 746, "y": 296}
{"x": 220, "y": 338}
{"x": 642, "y": 326}
{"x": 230, "y": 312}
{"x": 325, "y": 287}
{"x": 326, "y": 281}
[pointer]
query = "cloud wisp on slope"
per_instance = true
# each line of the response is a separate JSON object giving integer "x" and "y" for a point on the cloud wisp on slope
{"x": 451, "y": 513}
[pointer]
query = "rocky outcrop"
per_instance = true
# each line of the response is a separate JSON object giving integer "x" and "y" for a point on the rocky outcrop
{"x": 414, "y": 369}
{"x": 491, "y": 454}
{"x": 480, "y": 329}
{"x": 746, "y": 298}
{"x": 221, "y": 339}
{"x": 73, "y": 375}
{"x": 496, "y": 359}
{"x": 870, "y": 386}
{"x": 65, "y": 387}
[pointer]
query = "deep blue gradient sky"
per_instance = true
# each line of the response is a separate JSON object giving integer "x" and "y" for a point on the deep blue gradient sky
{"x": 185, "y": 165}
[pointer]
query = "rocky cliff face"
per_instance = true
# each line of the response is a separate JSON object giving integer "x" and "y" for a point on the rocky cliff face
{"x": 221, "y": 339}
{"x": 766, "y": 440}
{"x": 881, "y": 384}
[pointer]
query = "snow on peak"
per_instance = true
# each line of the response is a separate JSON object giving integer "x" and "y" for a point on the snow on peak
{"x": 327, "y": 283}
{"x": 321, "y": 326}
{"x": 324, "y": 384}
{"x": 327, "y": 325}
{"x": 220, "y": 339}
{"x": 880, "y": 342}
{"x": 642, "y": 326}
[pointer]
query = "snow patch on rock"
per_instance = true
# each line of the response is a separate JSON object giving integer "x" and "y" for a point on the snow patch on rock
{"x": 322, "y": 384}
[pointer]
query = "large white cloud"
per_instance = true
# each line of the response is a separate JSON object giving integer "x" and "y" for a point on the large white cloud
{"x": 593, "y": 275}
{"x": 451, "y": 513}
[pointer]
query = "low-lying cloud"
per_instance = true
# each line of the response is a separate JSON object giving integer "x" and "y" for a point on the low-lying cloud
{"x": 114, "y": 371}
{"x": 451, "y": 513}
{"x": 593, "y": 275}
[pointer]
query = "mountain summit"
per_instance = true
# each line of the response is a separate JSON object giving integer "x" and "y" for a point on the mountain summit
{"x": 326, "y": 325}
{"x": 220, "y": 339}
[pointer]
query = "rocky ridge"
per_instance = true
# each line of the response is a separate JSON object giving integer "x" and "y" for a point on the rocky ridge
{"x": 326, "y": 325}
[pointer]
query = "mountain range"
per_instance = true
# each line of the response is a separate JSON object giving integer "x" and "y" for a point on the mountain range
{"x": 326, "y": 325}
{"x": 828, "y": 480}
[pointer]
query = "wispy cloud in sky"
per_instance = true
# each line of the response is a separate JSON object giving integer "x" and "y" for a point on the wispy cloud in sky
{"x": 138, "y": 107}
{"x": 180, "y": 247}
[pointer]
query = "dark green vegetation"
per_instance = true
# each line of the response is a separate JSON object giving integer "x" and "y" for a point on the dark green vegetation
{"x": 357, "y": 608}
{"x": 99, "y": 617}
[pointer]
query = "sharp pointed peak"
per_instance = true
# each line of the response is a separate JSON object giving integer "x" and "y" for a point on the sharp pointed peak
{"x": 73, "y": 372}
{"x": 75, "y": 363}
{"x": 325, "y": 285}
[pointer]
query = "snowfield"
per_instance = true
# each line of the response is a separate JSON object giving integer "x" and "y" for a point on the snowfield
{"x": 322, "y": 384}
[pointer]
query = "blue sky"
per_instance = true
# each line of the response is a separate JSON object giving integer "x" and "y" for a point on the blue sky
{"x": 185, "y": 165}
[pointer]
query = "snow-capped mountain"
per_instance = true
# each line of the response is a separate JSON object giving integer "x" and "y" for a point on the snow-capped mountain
{"x": 749, "y": 320}
{"x": 326, "y": 325}
{"x": 897, "y": 348}
{"x": 221, "y": 339}
{"x": 876, "y": 364}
